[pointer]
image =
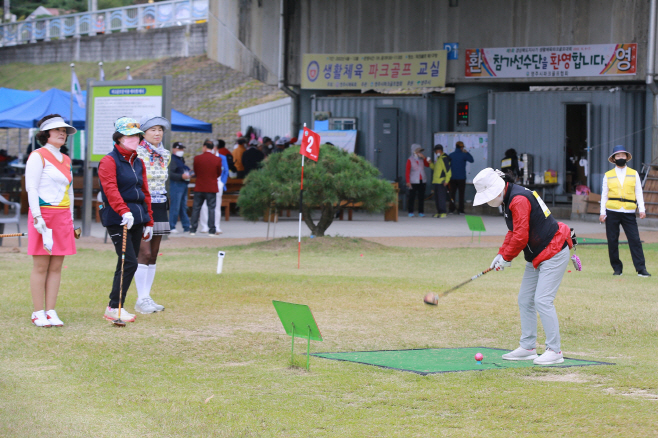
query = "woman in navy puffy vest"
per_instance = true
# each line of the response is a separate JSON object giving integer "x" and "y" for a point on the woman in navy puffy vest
{"x": 126, "y": 201}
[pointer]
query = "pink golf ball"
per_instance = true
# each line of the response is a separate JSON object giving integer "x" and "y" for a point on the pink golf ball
{"x": 479, "y": 357}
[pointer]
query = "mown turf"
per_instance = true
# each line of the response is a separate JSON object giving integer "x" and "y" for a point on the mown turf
{"x": 216, "y": 362}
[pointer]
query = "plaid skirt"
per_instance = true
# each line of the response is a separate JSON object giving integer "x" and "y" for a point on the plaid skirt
{"x": 160, "y": 219}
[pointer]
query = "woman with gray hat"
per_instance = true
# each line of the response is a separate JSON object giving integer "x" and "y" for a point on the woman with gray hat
{"x": 156, "y": 159}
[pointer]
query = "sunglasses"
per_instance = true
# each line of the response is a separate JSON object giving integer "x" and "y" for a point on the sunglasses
{"x": 132, "y": 125}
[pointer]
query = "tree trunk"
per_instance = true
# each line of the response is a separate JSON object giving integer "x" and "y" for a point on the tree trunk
{"x": 326, "y": 218}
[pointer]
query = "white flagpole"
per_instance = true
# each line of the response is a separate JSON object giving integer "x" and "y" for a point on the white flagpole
{"x": 301, "y": 199}
{"x": 72, "y": 87}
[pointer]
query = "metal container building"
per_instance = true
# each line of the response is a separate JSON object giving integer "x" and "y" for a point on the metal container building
{"x": 413, "y": 119}
{"x": 269, "y": 119}
{"x": 535, "y": 122}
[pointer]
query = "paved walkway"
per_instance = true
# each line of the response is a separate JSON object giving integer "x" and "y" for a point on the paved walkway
{"x": 362, "y": 225}
{"x": 416, "y": 231}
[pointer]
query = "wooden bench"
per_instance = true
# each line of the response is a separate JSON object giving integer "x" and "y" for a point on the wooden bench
{"x": 78, "y": 188}
{"x": 390, "y": 214}
{"x": 230, "y": 196}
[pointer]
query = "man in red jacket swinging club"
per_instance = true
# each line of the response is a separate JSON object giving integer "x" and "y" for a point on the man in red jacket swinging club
{"x": 545, "y": 244}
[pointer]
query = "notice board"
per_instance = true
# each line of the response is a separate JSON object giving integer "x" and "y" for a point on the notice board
{"x": 476, "y": 144}
{"x": 109, "y": 100}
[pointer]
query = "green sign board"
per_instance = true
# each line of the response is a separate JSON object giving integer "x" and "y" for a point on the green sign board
{"x": 107, "y": 103}
{"x": 298, "y": 320}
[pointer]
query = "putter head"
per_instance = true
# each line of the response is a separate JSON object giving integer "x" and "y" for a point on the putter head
{"x": 118, "y": 323}
{"x": 431, "y": 299}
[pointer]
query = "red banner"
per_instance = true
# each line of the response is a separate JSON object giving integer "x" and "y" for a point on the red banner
{"x": 310, "y": 144}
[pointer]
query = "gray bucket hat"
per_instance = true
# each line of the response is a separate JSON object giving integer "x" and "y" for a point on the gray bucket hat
{"x": 150, "y": 121}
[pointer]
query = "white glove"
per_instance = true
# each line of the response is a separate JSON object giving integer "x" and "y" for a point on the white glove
{"x": 148, "y": 234}
{"x": 128, "y": 219}
{"x": 499, "y": 263}
{"x": 40, "y": 225}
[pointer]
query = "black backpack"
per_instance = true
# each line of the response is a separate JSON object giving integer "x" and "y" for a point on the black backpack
{"x": 231, "y": 163}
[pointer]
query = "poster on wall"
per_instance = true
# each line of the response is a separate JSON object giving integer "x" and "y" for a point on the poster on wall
{"x": 108, "y": 103}
{"x": 346, "y": 140}
{"x": 374, "y": 70}
{"x": 476, "y": 143}
{"x": 552, "y": 61}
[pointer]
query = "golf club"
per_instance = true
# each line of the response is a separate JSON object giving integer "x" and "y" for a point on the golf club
{"x": 433, "y": 299}
{"x": 13, "y": 235}
{"x": 118, "y": 322}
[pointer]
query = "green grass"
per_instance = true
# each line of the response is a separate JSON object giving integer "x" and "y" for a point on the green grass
{"x": 23, "y": 76}
{"x": 216, "y": 362}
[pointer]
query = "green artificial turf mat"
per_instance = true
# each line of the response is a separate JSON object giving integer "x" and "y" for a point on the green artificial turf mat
{"x": 443, "y": 360}
{"x": 592, "y": 241}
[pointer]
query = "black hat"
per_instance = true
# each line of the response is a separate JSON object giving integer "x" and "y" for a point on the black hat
{"x": 178, "y": 145}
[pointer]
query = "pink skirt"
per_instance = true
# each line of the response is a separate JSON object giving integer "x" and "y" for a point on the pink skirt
{"x": 59, "y": 220}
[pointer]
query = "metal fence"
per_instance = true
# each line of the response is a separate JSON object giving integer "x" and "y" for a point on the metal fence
{"x": 136, "y": 17}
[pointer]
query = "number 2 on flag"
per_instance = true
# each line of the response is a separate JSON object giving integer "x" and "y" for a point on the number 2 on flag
{"x": 310, "y": 146}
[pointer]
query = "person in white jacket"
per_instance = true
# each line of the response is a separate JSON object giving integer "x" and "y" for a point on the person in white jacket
{"x": 49, "y": 186}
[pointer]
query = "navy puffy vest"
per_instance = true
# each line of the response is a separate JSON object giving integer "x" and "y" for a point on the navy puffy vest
{"x": 129, "y": 183}
{"x": 542, "y": 224}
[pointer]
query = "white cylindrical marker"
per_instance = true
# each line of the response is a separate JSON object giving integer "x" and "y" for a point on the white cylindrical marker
{"x": 220, "y": 261}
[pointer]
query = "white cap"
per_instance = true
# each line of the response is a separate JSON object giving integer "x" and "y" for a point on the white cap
{"x": 57, "y": 122}
{"x": 488, "y": 184}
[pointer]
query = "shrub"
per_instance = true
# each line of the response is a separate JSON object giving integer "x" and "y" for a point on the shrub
{"x": 337, "y": 176}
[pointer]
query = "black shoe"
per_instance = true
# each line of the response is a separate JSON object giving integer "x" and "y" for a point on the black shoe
{"x": 617, "y": 273}
{"x": 643, "y": 273}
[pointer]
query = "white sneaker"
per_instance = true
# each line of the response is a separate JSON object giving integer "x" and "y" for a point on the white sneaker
{"x": 549, "y": 358}
{"x": 54, "y": 319}
{"x": 158, "y": 307}
{"x": 113, "y": 314}
{"x": 40, "y": 319}
{"x": 521, "y": 354}
{"x": 145, "y": 306}
{"x": 173, "y": 231}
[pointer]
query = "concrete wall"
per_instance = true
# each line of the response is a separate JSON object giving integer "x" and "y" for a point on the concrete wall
{"x": 184, "y": 41}
{"x": 243, "y": 34}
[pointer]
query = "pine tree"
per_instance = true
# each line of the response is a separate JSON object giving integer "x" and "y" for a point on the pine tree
{"x": 337, "y": 176}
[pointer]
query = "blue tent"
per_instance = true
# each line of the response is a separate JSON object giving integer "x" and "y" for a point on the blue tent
{"x": 26, "y": 114}
{"x": 53, "y": 101}
{"x": 184, "y": 123}
{"x": 10, "y": 98}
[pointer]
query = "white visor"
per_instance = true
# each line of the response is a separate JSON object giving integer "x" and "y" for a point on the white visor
{"x": 57, "y": 122}
{"x": 488, "y": 185}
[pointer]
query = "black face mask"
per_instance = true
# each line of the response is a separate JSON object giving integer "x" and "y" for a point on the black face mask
{"x": 620, "y": 162}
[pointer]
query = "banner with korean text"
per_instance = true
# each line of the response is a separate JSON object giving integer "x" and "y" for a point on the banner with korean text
{"x": 552, "y": 61}
{"x": 374, "y": 70}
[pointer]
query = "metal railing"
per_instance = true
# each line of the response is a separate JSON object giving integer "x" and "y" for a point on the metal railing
{"x": 136, "y": 17}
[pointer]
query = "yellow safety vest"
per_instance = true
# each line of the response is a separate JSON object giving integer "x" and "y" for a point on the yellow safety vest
{"x": 621, "y": 197}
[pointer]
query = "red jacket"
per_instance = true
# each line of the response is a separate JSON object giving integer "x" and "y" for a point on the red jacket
{"x": 207, "y": 168}
{"x": 107, "y": 173}
{"x": 516, "y": 240}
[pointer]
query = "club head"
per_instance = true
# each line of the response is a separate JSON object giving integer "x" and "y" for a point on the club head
{"x": 431, "y": 299}
{"x": 118, "y": 323}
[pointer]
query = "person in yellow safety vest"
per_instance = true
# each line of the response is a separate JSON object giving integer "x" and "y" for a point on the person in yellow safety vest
{"x": 440, "y": 180}
{"x": 621, "y": 195}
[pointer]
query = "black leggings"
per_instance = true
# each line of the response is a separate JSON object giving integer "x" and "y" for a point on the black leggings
{"x": 417, "y": 190}
{"x": 628, "y": 222}
{"x": 133, "y": 241}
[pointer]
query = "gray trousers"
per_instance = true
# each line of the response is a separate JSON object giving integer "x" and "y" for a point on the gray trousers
{"x": 538, "y": 289}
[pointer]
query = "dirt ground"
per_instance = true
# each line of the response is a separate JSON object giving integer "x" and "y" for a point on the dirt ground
{"x": 412, "y": 242}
